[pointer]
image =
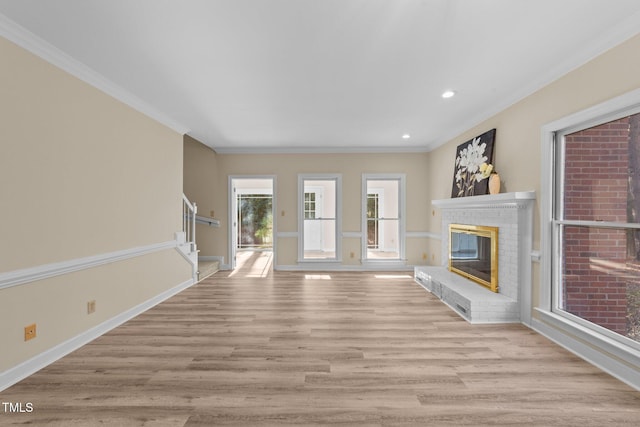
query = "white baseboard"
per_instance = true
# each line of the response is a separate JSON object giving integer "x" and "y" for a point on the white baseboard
{"x": 608, "y": 364}
{"x": 206, "y": 258}
{"x": 31, "y": 366}
{"x": 220, "y": 259}
{"x": 342, "y": 267}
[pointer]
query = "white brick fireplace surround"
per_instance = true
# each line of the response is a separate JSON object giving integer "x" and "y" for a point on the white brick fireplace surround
{"x": 512, "y": 213}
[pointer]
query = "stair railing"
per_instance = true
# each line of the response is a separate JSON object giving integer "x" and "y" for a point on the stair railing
{"x": 189, "y": 211}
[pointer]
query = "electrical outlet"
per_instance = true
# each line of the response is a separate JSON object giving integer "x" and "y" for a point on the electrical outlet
{"x": 29, "y": 332}
{"x": 91, "y": 306}
{"x": 213, "y": 213}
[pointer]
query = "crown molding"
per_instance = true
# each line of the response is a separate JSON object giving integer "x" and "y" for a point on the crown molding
{"x": 46, "y": 51}
{"x": 620, "y": 33}
{"x": 320, "y": 150}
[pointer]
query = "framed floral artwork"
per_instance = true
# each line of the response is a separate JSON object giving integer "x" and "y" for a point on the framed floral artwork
{"x": 468, "y": 176}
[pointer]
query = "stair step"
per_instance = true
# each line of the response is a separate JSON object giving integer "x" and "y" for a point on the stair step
{"x": 207, "y": 268}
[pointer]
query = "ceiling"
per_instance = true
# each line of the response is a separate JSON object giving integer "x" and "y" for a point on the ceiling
{"x": 318, "y": 76}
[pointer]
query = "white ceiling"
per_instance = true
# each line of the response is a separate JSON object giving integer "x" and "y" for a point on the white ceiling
{"x": 319, "y": 75}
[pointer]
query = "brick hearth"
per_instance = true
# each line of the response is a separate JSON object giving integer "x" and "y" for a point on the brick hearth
{"x": 512, "y": 213}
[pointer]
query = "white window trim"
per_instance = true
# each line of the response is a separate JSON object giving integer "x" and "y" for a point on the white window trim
{"x": 310, "y": 177}
{"x": 402, "y": 196}
{"x": 609, "y": 354}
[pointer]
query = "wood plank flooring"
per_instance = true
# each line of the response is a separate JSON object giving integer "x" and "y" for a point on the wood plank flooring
{"x": 318, "y": 349}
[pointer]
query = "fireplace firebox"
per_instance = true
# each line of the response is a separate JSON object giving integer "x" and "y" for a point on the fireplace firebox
{"x": 473, "y": 253}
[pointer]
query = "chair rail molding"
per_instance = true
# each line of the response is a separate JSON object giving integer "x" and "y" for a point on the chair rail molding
{"x": 26, "y": 275}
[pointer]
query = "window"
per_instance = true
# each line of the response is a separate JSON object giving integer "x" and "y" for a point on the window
{"x": 383, "y": 219}
{"x": 587, "y": 228}
{"x": 319, "y": 219}
{"x": 596, "y": 226}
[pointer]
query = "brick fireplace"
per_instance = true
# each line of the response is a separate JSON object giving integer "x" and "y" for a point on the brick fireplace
{"x": 512, "y": 214}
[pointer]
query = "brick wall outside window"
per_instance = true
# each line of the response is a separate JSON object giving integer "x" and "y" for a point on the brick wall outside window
{"x": 597, "y": 272}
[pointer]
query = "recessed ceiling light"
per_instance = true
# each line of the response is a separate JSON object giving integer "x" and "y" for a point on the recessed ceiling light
{"x": 406, "y": 136}
{"x": 448, "y": 94}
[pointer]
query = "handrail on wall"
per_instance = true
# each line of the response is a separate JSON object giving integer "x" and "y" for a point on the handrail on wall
{"x": 211, "y": 222}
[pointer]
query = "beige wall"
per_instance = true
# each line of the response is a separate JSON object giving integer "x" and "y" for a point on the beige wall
{"x": 286, "y": 167}
{"x": 82, "y": 174}
{"x": 517, "y": 154}
{"x": 201, "y": 185}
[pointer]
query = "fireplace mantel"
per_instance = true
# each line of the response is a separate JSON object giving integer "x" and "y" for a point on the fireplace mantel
{"x": 517, "y": 198}
{"x": 512, "y": 214}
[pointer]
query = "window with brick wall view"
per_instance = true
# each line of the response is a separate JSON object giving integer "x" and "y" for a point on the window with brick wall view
{"x": 597, "y": 222}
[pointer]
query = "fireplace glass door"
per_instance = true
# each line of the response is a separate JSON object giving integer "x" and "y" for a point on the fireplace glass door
{"x": 473, "y": 253}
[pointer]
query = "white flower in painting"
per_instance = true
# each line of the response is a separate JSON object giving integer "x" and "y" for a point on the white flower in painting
{"x": 476, "y": 155}
{"x": 468, "y": 165}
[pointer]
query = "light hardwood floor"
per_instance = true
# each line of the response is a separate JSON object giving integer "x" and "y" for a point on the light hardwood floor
{"x": 318, "y": 349}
